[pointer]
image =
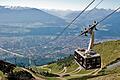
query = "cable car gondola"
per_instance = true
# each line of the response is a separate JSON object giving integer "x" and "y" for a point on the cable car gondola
{"x": 88, "y": 58}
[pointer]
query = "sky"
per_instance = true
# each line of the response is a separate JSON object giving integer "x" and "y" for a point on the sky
{"x": 61, "y": 4}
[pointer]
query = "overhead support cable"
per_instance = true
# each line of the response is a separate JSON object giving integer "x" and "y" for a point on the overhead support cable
{"x": 54, "y": 39}
{"x": 91, "y": 10}
{"x": 74, "y": 19}
{"x": 98, "y": 22}
{"x": 78, "y": 17}
{"x": 69, "y": 23}
{"x": 94, "y": 8}
{"x": 109, "y": 15}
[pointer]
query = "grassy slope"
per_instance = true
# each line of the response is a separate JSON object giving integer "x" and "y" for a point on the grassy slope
{"x": 109, "y": 51}
{"x": 2, "y": 76}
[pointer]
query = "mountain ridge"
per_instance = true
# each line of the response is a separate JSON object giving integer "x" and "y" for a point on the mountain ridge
{"x": 21, "y": 15}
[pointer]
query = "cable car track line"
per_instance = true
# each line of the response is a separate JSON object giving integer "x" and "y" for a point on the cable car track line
{"x": 109, "y": 15}
{"x": 91, "y": 11}
{"x": 97, "y": 22}
{"x": 93, "y": 8}
{"x": 88, "y": 14}
{"x": 74, "y": 19}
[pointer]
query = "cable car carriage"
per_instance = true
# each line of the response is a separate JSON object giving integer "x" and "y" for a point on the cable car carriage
{"x": 88, "y": 58}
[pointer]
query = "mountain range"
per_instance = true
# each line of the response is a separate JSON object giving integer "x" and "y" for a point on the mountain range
{"x": 28, "y": 15}
{"x": 109, "y": 27}
{"x": 30, "y": 18}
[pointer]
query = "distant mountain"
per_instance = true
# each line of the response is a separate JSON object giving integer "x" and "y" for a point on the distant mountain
{"x": 112, "y": 24}
{"x": 69, "y": 14}
{"x": 28, "y": 15}
{"x": 109, "y": 27}
{"x": 59, "y": 13}
{"x": 88, "y": 15}
{"x": 24, "y": 20}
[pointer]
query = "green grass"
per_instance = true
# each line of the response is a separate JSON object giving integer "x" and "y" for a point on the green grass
{"x": 1, "y": 74}
{"x": 109, "y": 51}
{"x": 54, "y": 68}
{"x": 59, "y": 65}
{"x": 72, "y": 67}
{"x": 39, "y": 69}
{"x": 106, "y": 77}
{"x": 17, "y": 69}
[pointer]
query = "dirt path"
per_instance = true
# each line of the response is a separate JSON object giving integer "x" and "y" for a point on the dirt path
{"x": 36, "y": 77}
{"x": 0, "y": 78}
{"x": 77, "y": 70}
{"x": 65, "y": 70}
{"x": 61, "y": 71}
{"x": 62, "y": 74}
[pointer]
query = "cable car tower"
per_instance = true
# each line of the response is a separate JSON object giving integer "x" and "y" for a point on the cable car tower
{"x": 88, "y": 58}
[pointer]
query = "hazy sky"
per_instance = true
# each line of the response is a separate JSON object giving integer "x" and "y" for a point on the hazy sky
{"x": 60, "y": 4}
